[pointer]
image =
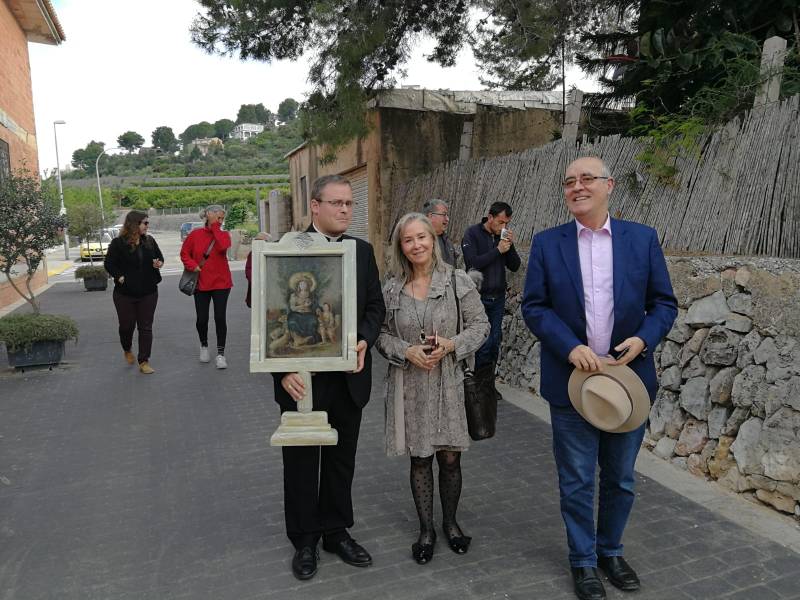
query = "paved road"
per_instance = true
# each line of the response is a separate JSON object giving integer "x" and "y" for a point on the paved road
{"x": 115, "y": 485}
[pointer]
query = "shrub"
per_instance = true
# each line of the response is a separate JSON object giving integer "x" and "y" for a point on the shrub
{"x": 19, "y": 332}
{"x": 91, "y": 272}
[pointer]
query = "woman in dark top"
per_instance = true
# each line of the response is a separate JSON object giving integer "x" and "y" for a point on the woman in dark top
{"x": 133, "y": 260}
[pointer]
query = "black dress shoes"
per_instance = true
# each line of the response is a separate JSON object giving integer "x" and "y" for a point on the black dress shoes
{"x": 587, "y": 584}
{"x": 304, "y": 563}
{"x": 349, "y": 551}
{"x": 619, "y": 572}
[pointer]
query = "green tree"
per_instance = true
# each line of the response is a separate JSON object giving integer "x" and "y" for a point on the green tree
{"x": 236, "y": 216}
{"x": 287, "y": 110}
{"x": 223, "y": 128}
{"x": 358, "y": 45}
{"x": 203, "y": 129}
{"x": 130, "y": 140}
{"x": 84, "y": 158}
{"x": 31, "y": 225}
{"x": 672, "y": 51}
{"x": 85, "y": 221}
{"x": 253, "y": 113}
{"x": 164, "y": 139}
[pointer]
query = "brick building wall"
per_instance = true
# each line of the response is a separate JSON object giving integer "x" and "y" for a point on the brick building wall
{"x": 17, "y": 124}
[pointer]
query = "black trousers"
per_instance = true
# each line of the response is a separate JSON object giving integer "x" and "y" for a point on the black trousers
{"x": 134, "y": 312}
{"x": 318, "y": 480}
{"x": 202, "y": 302}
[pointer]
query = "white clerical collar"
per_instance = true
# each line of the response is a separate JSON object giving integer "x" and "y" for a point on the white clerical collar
{"x": 329, "y": 238}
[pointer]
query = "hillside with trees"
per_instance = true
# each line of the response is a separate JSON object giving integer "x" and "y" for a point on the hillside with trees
{"x": 171, "y": 155}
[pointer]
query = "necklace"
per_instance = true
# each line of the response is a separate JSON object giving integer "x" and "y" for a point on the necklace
{"x": 422, "y": 337}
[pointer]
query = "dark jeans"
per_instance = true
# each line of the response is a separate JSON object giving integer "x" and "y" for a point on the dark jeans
{"x": 318, "y": 480}
{"x": 202, "y": 302}
{"x": 488, "y": 353}
{"x": 135, "y": 312}
{"x": 578, "y": 447}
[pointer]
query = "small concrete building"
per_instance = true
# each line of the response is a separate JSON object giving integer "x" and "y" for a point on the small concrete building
{"x": 244, "y": 131}
{"x": 205, "y": 145}
{"x": 412, "y": 131}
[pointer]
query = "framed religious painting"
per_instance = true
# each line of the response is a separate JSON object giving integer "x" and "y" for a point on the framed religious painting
{"x": 303, "y": 305}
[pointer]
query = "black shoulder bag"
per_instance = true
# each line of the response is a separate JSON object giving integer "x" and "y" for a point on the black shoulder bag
{"x": 188, "y": 282}
{"x": 480, "y": 406}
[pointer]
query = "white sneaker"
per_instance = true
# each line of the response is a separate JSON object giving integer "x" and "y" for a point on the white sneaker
{"x": 204, "y": 357}
{"x": 221, "y": 362}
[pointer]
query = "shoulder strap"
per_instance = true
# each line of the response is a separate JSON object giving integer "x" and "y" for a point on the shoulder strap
{"x": 207, "y": 253}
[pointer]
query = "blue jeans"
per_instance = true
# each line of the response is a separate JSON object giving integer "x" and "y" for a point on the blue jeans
{"x": 488, "y": 353}
{"x": 578, "y": 447}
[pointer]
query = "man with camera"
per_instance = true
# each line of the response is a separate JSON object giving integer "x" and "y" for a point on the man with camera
{"x": 488, "y": 246}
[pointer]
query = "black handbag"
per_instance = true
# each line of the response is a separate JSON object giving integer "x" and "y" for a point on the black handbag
{"x": 189, "y": 279}
{"x": 480, "y": 406}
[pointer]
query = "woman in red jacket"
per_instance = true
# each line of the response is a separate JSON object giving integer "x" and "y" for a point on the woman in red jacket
{"x": 215, "y": 282}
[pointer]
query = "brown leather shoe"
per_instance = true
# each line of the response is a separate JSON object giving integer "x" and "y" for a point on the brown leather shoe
{"x": 145, "y": 368}
{"x": 619, "y": 572}
{"x": 129, "y": 357}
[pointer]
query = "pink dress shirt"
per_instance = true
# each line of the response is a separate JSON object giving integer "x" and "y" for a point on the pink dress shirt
{"x": 597, "y": 272}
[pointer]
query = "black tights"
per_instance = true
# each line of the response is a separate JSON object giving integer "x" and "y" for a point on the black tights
{"x": 449, "y": 493}
{"x": 202, "y": 301}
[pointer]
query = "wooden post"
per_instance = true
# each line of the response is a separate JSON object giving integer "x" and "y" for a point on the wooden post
{"x": 573, "y": 117}
{"x": 772, "y": 58}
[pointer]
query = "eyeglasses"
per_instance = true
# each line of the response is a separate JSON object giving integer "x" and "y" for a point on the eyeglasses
{"x": 439, "y": 214}
{"x": 340, "y": 203}
{"x": 585, "y": 180}
{"x": 145, "y": 222}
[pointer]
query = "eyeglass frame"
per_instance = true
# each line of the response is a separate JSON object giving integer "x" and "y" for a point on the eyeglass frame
{"x": 339, "y": 203}
{"x": 438, "y": 214}
{"x": 566, "y": 184}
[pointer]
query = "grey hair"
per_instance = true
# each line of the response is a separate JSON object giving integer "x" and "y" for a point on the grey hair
{"x": 320, "y": 183}
{"x": 604, "y": 170}
{"x": 211, "y": 208}
{"x": 399, "y": 265}
{"x": 431, "y": 205}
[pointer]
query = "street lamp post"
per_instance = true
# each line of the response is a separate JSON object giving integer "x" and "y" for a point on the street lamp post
{"x": 100, "y": 191}
{"x": 63, "y": 210}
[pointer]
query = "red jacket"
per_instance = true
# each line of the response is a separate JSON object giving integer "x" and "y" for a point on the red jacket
{"x": 215, "y": 274}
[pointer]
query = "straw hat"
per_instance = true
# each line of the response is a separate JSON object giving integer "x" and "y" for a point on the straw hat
{"x": 613, "y": 400}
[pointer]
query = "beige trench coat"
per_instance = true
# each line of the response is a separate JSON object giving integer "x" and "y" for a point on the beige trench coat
{"x": 474, "y": 331}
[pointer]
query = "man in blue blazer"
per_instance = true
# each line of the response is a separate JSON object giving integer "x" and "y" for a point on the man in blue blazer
{"x": 597, "y": 292}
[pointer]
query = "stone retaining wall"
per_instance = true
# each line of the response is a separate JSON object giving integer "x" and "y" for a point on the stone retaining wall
{"x": 729, "y": 404}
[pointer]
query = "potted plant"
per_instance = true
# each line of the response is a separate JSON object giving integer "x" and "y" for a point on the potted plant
{"x": 36, "y": 339}
{"x": 95, "y": 277}
{"x": 29, "y": 224}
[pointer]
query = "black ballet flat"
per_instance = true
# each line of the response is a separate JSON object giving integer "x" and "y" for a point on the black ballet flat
{"x": 423, "y": 553}
{"x": 459, "y": 544}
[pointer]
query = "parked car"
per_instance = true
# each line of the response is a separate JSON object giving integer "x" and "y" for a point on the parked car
{"x": 186, "y": 228}
{"x": 93, "y": 250}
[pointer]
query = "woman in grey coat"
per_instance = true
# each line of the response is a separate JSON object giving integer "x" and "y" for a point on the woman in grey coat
{"x": 425, "y": 392}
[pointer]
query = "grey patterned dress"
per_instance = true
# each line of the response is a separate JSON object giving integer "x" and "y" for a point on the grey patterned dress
{"x": 425, "y": 409}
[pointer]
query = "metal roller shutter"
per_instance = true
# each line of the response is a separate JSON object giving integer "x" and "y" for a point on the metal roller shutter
{"x": 360, "y": 225}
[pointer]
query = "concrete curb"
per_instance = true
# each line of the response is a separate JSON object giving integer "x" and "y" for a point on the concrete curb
{"x": 758, "y": 519}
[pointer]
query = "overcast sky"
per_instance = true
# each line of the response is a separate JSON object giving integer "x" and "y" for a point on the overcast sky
{"x": 130, "y": 65}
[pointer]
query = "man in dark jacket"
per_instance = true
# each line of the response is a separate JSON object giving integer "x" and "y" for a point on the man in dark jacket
{"x": 438, "y": 212}
{"x": 318, "y": 479}
{"x": 488, "y": 246}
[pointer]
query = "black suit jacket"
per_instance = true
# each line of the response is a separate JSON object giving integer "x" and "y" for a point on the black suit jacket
{"x": 370, "y": 312}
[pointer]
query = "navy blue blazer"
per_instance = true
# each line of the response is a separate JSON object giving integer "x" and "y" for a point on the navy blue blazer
{"x": 553, "y": 301}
